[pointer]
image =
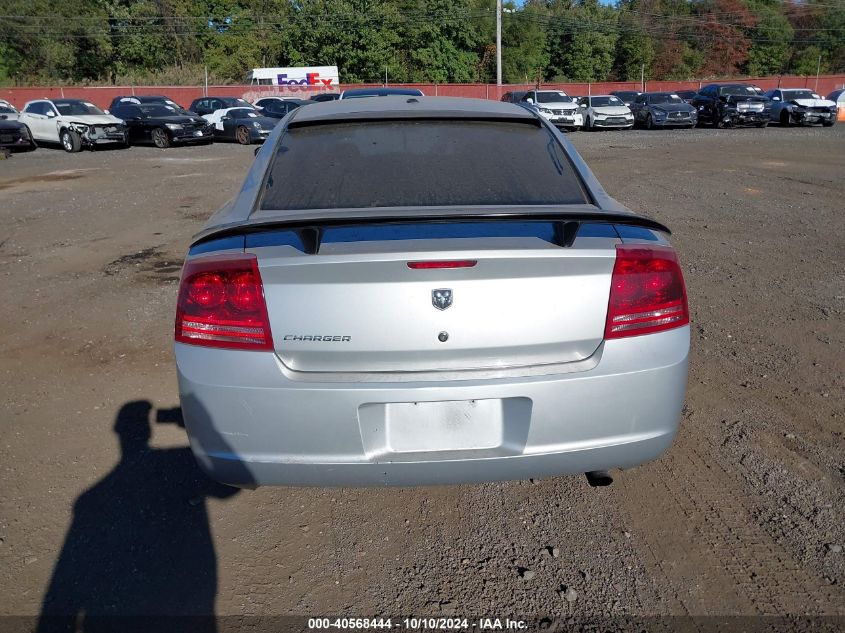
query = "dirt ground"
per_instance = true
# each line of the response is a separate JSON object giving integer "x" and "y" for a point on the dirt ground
{"x": 102, "y": 507}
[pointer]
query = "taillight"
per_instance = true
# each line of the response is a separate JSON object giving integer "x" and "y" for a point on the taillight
{"x": 221, "y": 304}
{"x": 647, "y": 292}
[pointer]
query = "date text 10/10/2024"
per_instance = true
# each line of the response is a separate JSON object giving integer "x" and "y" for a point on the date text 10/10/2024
{"x": 483, "y": 624}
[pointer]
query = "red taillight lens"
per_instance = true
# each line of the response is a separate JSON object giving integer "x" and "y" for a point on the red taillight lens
{"x": 221, "y": 304}
{"x": 207, "y": 290}
{"x": 647, "y": 292}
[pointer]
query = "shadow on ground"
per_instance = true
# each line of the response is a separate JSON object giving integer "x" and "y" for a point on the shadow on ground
{"x": 139, "y": 545}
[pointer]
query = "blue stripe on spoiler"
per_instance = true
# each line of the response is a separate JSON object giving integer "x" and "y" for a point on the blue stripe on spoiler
{"x": 425, "y": 231}
{"x": 429, "y": 231}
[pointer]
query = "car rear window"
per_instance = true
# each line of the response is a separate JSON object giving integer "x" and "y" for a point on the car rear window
{"x": 420, "y": 163}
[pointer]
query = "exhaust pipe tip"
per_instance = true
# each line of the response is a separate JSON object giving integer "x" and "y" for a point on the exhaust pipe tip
{"x": 597, "y": 478}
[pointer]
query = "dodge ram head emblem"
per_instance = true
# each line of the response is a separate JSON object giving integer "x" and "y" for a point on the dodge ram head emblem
{"x": 441, "y": 298}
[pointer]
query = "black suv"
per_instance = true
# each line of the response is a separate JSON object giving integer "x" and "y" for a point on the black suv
{"x": 724, "y": 105}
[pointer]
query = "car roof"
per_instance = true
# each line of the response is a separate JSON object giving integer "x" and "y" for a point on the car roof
{"x": 287, "y": 99}
{"x": 405, "y": 107}
{"x": 414, "y": 92}
{"x": 141, "y": 97}
{"x": 732, "y": 85}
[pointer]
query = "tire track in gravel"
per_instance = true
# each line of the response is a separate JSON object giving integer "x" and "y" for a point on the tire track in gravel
{"x": 706, "y": 541}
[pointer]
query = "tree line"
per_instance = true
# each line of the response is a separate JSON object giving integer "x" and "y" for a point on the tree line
{"x": 426, "y": 41}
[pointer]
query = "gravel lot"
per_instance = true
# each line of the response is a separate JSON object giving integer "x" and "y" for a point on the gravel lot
{"x": 744, "y": 515}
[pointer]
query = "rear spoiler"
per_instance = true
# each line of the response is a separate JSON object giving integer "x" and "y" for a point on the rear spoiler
{"x": 310, "y": 232}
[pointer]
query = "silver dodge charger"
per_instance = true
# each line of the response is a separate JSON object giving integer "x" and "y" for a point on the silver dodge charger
{"x": 424, "y": 290}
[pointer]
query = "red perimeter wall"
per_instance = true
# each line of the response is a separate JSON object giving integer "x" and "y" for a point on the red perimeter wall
{"x": 184, "y": 95}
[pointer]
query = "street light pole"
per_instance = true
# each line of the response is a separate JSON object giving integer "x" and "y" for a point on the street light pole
{"x": 498, "y": 42}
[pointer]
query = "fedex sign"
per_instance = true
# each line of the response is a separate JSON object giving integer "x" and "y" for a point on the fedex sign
{"x": 314, "y": 77}
{"x": 311, "y": 79}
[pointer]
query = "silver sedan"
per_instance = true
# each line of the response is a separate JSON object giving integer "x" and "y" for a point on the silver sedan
{"x": 423, "y": 290}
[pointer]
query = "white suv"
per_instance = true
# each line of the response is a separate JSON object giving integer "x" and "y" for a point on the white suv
{"x": 72, "y": 122}
{"x": 556, "y": 106}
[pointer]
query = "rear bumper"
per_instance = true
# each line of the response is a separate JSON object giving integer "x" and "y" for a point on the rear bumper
{"x": 251, "y": 424}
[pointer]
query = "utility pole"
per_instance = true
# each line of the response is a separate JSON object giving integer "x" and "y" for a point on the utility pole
{"x": 818, "y": 68}
{"x": 642, "y": 77}
{"x": 499, "y": 42}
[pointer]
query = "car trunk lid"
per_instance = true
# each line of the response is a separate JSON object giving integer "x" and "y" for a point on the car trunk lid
{"x": 359, "y": 307}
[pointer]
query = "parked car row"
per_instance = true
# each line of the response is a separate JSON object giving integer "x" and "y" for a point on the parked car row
{"x": 719, "y": 105}
{"x": 155, "y": 119}
{"x": 158, "y": 120}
